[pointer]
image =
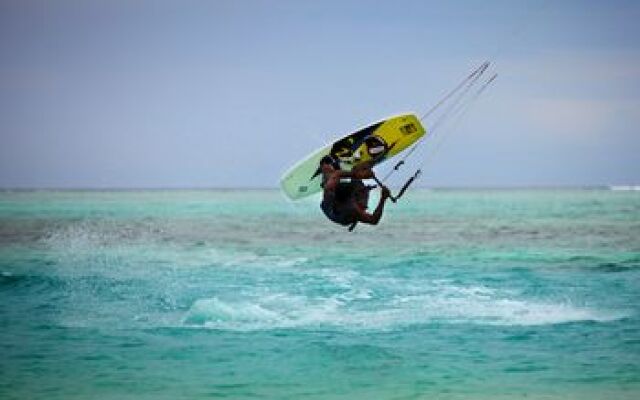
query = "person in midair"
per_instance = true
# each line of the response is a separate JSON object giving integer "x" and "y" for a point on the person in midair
{"x": 346, "y": 202}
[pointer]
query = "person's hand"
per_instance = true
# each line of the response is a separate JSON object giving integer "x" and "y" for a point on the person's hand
{"x": 386, "y": 193}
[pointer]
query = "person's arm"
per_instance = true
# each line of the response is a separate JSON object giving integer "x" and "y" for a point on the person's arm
{"x": 357, "y": 174}
{"x": 374, "y": 218}
{"x": 333, "y": 177}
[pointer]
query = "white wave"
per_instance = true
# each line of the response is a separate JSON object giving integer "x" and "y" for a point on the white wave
{"x": 358, "y": 308}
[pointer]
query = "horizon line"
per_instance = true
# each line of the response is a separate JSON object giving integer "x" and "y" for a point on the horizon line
{"x": 272, "y": 188}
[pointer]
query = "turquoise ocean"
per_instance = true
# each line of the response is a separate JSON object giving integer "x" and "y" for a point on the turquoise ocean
{"x": 240, "y": 294}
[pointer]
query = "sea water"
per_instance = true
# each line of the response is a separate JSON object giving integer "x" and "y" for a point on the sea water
{"x": 457, "y": 294}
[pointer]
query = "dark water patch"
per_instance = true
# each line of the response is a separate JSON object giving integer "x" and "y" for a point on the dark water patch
{"x": 593, "y": 379}
{"x": 95, "y": 357}
{"x": 132, "y": 343}
{"x": 10, "y": 281}
{"x": 614, "y": 267}
{"x": 582, "y": 258}
{"x": 46, "y": 327}
{"x": 526, "y": 368}
{"x": 8, "y": 278}
{"x": 232, "y": 386}
{"x": 634, "y": 259}
{"x": 33, "y": 297}
{"x": 25, "y": 259}
{"x": 521, "y": 337}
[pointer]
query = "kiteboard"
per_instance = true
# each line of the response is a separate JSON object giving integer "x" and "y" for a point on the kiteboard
{"x": 374, "y": 144}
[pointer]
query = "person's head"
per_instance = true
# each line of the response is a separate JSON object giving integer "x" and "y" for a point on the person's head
{"x": 326, "y": 160}
{"x": 330, "y": 160}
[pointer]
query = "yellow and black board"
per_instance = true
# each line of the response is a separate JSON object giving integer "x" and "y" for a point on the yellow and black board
{"x": 377, "y": 142}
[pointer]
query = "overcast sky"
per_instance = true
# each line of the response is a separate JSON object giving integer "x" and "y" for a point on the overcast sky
{"x": 231, "y": 93}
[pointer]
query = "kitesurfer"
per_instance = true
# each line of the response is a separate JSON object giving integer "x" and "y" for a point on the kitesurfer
{"x": 346, "y": 202}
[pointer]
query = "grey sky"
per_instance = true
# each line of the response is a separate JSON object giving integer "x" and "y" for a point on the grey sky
{"x": 231, "y": 93}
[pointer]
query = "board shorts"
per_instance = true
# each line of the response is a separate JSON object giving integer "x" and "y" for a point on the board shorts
{"x": 343, "y": 211}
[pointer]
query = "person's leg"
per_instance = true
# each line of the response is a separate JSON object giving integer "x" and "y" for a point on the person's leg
{"x": 360, "y": 193}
